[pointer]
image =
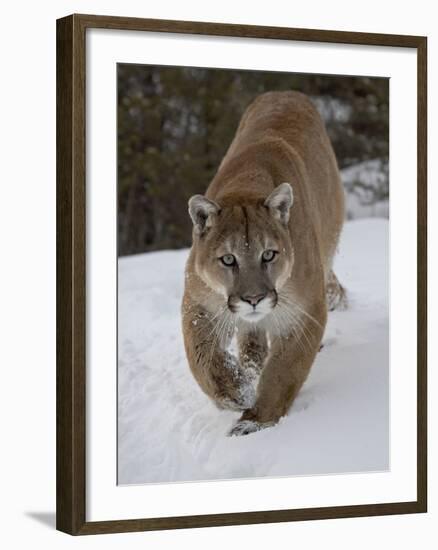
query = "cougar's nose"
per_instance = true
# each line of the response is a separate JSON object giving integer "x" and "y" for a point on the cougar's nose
{"x": 253, "y": 300}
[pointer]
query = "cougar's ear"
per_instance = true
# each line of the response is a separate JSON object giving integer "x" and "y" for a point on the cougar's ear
{"x": 280, "y": 201}
{"x": 202, "y": 211}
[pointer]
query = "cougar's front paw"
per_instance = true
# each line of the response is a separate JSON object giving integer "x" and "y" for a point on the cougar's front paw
{"x": 245, "y": 427}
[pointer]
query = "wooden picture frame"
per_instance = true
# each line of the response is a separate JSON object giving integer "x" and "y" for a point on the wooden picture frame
{"x": 71, "y": 273}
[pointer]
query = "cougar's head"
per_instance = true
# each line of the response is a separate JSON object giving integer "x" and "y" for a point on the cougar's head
{"x": 244, "y": 252}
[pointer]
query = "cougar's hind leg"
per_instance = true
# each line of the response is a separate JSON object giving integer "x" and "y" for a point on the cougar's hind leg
{"x": 336, "y": 295}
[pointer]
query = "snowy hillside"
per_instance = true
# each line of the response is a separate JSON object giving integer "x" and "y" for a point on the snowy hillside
{"x": 170, "y": 431}
{"x": 365, "y": 185}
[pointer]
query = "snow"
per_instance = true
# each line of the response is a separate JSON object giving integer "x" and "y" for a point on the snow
{"x": 364, "y": 183}
{"x": 168, "y": 430}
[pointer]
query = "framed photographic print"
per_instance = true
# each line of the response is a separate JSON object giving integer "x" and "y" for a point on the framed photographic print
{"x": 241, "y": 274}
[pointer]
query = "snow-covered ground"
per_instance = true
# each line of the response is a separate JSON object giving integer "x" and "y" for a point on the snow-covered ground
{"x": 169, "y": 430}
{"x": 363, "y": 183}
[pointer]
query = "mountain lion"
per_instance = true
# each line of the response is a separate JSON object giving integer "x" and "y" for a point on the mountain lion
{"x": 259, "y": 275}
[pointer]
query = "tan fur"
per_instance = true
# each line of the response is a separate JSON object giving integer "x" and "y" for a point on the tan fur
{"x": 281, "y": 138}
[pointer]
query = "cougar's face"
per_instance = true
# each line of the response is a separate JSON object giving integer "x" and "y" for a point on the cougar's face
{"x": 246, "y": 255}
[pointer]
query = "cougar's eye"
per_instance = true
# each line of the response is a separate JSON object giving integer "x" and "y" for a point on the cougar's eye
{"x": 228, "y": 260}
{"x": 268, "y": 255}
